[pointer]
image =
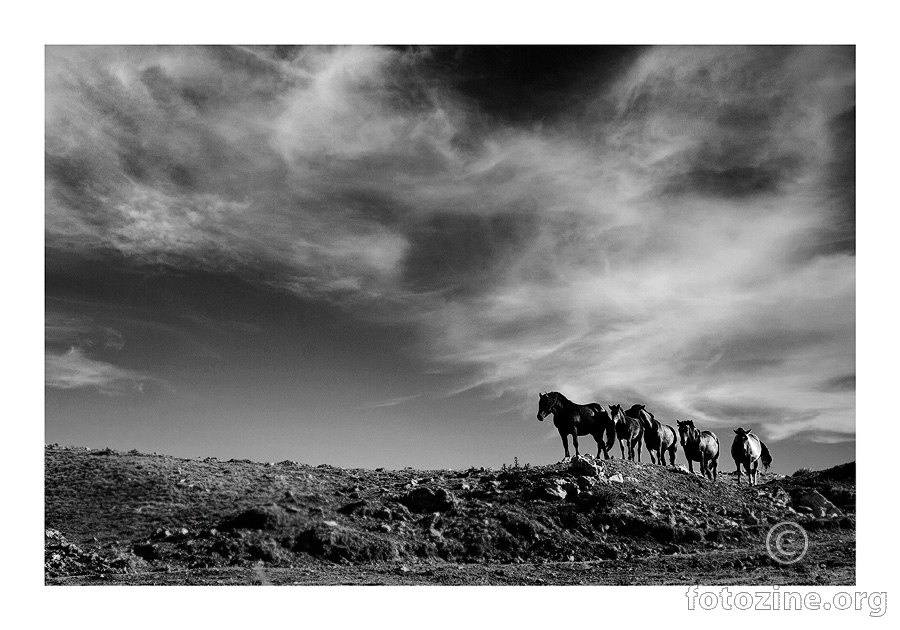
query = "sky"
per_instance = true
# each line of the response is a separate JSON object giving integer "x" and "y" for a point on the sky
{"x": 379, "y": 256}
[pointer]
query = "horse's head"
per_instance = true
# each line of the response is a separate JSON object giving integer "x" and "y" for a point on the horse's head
{"x": 685, "y": 430}
{"x": 742, "y": 434}
{"x": 615, "y": 411}
{"x": 640, "y": 413}
{"x": 546, "y": 404}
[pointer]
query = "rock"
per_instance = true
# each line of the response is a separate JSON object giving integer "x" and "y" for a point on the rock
{"x": 551, "y": 492}
{"x": 350, "y": 508}
{"x": 818, "y": 505}
{"x": 161, "y": 534}
{"x": 571, "y": 489}
{"x": 617, "y": 478}
{"x": 588, "y": 483}
{"x": 335, "y": 543}
{"x": 400, "y": 513}
{"x": 584, "y": 467}
{"x": 259, "y": 517}
{"x": 780, "y": 497}
{"x": 381, "y": 512}
{"x": 424, "y": 499}
{"x": 671, "y": 550}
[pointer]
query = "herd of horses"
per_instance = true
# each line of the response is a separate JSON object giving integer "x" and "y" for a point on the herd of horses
{"x": 638, "y": 425}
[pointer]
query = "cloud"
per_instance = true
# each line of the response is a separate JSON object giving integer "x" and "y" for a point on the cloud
{"x": 74, "y": 370}
{"x": 393, "y": 402}
{"x": 680, "y": 235}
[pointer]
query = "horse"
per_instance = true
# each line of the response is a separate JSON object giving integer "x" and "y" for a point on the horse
{"x": 572, "y": 419}
{"x": 749, "y": 450}
{"x": 628, "y": 430}
{"x": 700, "y": 446}
{"x": 658, "y": 437}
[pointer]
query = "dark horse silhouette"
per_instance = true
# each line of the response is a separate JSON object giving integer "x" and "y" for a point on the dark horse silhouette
{"x": 629, "y": 431}
{"x": 700, "y": 446}
{"x": 749, "y": 450}
{"x": 575, "y": 420}
{"x": 658, "y": 437}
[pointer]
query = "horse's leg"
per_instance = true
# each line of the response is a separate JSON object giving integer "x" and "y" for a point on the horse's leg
{"x": 575, "y": 441}
{"x": 715, "y": 469}
{"x": 702, "y": 465}
{"x": 690, "y": 464}
{"x": 622, "y": 446}
{"x": 672, "y": 456}
{"x": 749, "y": 475}
{"x": 755, "y": 472}
{"x": 565, "y": 441}
{"x": 738, "y": 465}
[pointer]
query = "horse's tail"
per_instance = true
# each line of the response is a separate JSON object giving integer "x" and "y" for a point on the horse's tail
{"x": 610, "y": 433}
{"x": 765, "y": 457}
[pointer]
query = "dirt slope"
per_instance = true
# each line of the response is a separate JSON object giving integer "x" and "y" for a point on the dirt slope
{"x": 142, "y": 519}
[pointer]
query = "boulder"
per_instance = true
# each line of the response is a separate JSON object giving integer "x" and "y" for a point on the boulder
{"x": 818, "y": 505}
{"x": 617, "y": 478}
{"x": 550, "y": 491}
{"x": 424, "y": 499}
{"x": 259, "y": 517}
{"x": 581, "y": 466}
{"x": 335, "y": 543}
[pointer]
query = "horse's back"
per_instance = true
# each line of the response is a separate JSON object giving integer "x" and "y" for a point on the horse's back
{"x": 709, "y": 443}
{"x": 671, "y": 436}
{"x": 747, "y": 450}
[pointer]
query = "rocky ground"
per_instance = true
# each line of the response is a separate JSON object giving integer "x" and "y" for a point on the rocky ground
{"x": 132, "y": 518}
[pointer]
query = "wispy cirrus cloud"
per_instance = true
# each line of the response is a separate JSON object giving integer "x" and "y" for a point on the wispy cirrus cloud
{"x": 678, "y": 238}
{"x": 392, "y": 402}
{"x": 74, "y": 370}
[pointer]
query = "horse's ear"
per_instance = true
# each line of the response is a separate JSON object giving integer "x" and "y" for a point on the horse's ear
{"x": 737, "y": 431}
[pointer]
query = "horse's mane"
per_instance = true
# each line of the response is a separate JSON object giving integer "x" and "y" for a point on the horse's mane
{"x": 635, "y": 411}
{"x": 558, "y": 396}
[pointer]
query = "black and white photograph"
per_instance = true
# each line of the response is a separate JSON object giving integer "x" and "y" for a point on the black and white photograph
{"x": 450, "y": 315}
{"x": 559, "y": 304}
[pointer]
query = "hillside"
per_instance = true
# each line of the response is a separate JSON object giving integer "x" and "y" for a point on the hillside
{"x": 132, "y": 518}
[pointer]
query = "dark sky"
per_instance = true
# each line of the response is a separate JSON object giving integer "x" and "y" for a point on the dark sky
{"x": 379, "y": 256}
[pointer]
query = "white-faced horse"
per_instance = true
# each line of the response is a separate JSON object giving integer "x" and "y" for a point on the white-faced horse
{"x": 749, "y": 450}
